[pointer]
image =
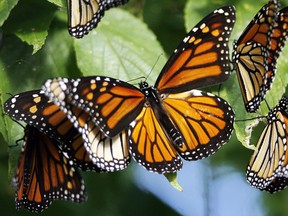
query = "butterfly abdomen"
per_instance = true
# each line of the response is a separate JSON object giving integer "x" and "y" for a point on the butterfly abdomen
{"x": 154, "y": 100}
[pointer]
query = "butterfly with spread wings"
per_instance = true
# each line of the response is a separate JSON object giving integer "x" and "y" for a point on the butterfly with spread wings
{"x": 34, "y": 108}
{"x": 44, "y": 173}
{"x": 256, "y": 53}
{"x": 267, "y": 169}
{"x": 171, "y": 117}
{"x": 84, "y": 15}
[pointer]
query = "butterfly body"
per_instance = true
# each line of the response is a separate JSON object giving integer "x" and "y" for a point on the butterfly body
{"x": 155, "y": 101}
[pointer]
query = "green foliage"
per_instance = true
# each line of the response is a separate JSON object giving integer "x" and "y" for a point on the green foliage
{"x": 34, "y": 26}
{"x": 5, "y": 8}
{"x": 37, "y": 46}
{"x": 112, "y": 51}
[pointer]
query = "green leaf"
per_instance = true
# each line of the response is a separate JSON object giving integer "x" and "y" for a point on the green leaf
{"x": 5, "y": 7}
{"x": 20, "y": 71}
{"x": 121, "y": 46}
{"x": 31, "y": 24}
{"x": 60, "y": 3}
{"x": 195, "y": 11}
{"x": 172, "y": 178}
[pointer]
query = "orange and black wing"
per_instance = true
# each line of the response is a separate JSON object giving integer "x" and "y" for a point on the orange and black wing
{"x": 268, "y": 164}
{"x": 44, "y": 174}
{"x": 202, "y": 58}
{"x": 84, "y": 15}
{"x": 278, "y": 39}
{"x": 111, "y": 154}
{"x": 204, "y": 120}
{"x": 260, "y": 29}
{"x": 34, "y": 108}
{"x": 150, "y": 146}
{"x": 112, "y": 103}
{"x": 252, "y": 48}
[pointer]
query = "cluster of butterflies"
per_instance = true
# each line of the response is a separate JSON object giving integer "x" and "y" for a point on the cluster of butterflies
{"x": 98, "y": 123}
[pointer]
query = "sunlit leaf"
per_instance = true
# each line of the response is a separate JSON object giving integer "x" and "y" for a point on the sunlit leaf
{"x": 31, "y": 24}
{"x": 60, "y": 3}
{"x": 172, "y": 178}
{"x": 5, "y": 7}
{"x": 120, "y": 50}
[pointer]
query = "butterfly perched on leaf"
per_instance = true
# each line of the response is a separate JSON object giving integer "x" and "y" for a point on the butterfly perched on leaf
{"x": 84, "y": 15}
{"x": 171, "y": 118}
{"x": 267, "y": 169}
{"x": 34, "y": 108}
{"x": 45, "y": 174}
{"x": 256, "y": 53}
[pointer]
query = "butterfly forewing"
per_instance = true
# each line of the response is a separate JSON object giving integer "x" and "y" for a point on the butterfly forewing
{"x": 44, "y": 174}
{"x": 112, "y": 103}
{"x": 202, "y": 58}
{"x": 260, "y": 28}
{"x": 84, "y": 15}
{"x": 204, "y": 120}
{"x": 111, "y": 154}
{"x": 278, "y": 39}
{"x": 150, "y": 146}
{"x": 34, "y": 108}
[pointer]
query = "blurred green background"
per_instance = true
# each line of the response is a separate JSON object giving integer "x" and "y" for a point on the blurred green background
{"x": 126, "y": 45}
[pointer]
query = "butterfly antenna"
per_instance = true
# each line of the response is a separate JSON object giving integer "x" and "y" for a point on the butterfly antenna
{"x": 267, "y": 104}
{"x": 250, "y": 119}
{"x": 219, "y": 89}
{"x": 153, "y": 66}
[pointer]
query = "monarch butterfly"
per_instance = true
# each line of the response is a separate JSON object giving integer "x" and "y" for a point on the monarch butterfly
{"x": 256, "y": 53}
{"x": 34, "y": 108}
{"x": 44, "y": 174}
{"x": 168, "y": 118}
{"x": 267, "y": 169}
{"x": 97, "y": 145}
{"x": 84, "y": 15}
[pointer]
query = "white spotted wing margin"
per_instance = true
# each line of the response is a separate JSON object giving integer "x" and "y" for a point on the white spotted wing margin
{"x": 267, "y": 169}
{"x": 109, "y": 154}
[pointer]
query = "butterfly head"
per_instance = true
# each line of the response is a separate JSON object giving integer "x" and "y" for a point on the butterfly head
{"x": 143, "y": 85}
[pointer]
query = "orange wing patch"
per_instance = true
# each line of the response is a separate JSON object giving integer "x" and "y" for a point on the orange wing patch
{"x": 112, "y": 104}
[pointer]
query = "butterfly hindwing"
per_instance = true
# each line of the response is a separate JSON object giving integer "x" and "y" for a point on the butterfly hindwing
{"x": 268, "y": 165}
{"x": 149, "y": 144}
{"x": 34, "y": 108}
{"x": 204, "y": 120}
{"x": 84, "y": 15}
